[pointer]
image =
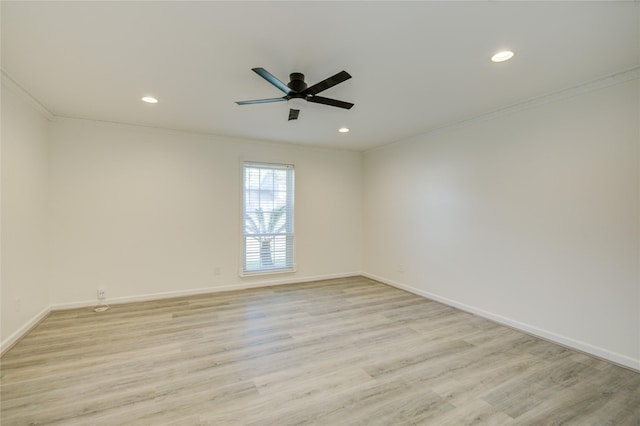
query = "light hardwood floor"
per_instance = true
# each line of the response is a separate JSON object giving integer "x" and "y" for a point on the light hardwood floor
{"x": 339, "y": 352}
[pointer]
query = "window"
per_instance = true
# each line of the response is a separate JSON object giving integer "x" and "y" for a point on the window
{"x": 267, "y": 218}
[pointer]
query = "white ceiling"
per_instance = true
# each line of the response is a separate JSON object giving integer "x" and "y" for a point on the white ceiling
{"x": 416, "y": 66}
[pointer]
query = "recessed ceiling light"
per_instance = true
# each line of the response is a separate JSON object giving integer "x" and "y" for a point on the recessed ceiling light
{"x": 150, "y": 100}
{"x": 502, "y": 56}
{"x": 343, "y": 130}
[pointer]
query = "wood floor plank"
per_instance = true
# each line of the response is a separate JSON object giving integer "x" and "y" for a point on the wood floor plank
{"x": 349, "y": 351}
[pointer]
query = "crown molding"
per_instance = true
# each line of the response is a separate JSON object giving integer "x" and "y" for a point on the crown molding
{"x": 580, "y": 89}
{"x": 586, "y": 87}
{"x": 589, "y": 86}
{"x": 15, "y": 87}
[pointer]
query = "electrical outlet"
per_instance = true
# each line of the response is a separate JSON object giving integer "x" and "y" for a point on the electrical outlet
{"x": 101, "y": 294}
{"x": 216, "y": 270}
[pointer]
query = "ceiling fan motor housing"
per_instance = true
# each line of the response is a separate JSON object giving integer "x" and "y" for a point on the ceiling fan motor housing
{"x": 297, "y": 83}
{"x": 297, "y": 93}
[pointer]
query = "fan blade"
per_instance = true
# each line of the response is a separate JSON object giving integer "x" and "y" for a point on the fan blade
{"x": 261, "y": 101}
{"x": 271, "y": 79}
{"x": 293, "y": 114}
{"x": 325, "y": 84}
{"x": 328, "y": 101}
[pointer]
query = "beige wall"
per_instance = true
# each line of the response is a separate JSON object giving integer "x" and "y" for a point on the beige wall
{"x": 141, "y": 211}
{"x": 24, "y": 291}
{"x": 530, "y": 217}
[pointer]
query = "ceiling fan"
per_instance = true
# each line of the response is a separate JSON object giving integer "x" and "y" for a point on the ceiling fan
{"x": 297, "y": 92}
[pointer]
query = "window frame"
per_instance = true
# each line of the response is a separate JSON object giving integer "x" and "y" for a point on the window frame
{"x": 289, "y": 231}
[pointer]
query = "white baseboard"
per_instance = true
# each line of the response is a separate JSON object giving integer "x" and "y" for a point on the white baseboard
{"x": 544, "y": 334}
{"x": 197, "y": 291}
{"x": 598, "y": 352}
{"x": 8, "y": 343}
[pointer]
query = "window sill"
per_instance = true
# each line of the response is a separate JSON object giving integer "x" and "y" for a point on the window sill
{"x": 245, "y": 274}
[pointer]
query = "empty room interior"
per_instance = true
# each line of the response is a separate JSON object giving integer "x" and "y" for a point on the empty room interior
{"x": 328, "y": 213}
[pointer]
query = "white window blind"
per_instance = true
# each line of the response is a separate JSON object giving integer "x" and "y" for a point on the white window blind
{"x": 268, "y": 218}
